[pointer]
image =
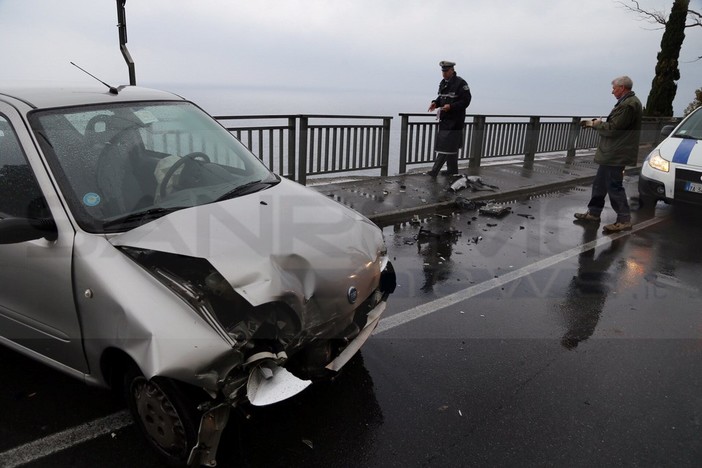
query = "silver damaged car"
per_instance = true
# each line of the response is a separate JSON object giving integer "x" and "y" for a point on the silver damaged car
{"x": 146, "y": 249}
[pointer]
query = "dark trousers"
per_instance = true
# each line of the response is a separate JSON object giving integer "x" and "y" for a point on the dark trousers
{"x": 451, "y": 160}
{"x": 609, "y": 180}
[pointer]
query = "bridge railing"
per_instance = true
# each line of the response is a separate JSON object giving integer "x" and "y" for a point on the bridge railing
{"x": 332, "y": 144}
{"x": 299, "y": 146}
{"x": 273, "y": 138}
{"x": 495, "y": 136}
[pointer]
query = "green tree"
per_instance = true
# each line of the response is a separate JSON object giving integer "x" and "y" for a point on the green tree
{"x": 697, "y": 102}
{"x": 664, "y": 85}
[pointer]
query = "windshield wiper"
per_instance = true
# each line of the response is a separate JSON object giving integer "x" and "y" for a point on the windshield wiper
{"x": 249, "y": 187}
{"x": 142, "y": 216}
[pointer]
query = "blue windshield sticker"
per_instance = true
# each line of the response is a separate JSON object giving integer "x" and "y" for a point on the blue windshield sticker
{"x": 682, "y": 154}
{"x": 91, "y": 199}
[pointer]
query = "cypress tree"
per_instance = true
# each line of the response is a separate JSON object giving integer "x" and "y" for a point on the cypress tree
{"x": 664, "y": 86}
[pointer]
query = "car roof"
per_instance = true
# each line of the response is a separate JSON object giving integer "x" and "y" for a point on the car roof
{"x": 45, "y": 97}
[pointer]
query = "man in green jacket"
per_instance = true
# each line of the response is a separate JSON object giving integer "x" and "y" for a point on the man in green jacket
{"x": 618, "y": 148}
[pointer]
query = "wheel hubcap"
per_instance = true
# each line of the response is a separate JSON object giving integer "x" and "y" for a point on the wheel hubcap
{"x": 159, "y": 417}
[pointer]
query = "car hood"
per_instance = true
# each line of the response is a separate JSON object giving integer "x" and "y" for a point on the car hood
{"x": 682, "y": 151}
{"x": 285, "y": 240}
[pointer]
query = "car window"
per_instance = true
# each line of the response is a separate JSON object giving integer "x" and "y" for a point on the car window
{"x": 115, "y": 161}
{"x": 20, "y": 195}
{"x": 692, "y": 127}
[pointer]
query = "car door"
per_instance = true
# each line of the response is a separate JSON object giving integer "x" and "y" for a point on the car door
{"x": 37, "y": 307}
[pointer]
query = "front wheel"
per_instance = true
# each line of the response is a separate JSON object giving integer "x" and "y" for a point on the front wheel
{"x": 165, "y": 413}
{"x": 647, "y": 203}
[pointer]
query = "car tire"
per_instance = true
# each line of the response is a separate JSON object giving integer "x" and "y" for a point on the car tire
{"x": 165, "y": 413}
{"x": 647, "y": 202}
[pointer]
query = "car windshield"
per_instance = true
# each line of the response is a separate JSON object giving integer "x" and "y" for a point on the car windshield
{"x": 122, "y": 165}
{"x": 691, "y": 128}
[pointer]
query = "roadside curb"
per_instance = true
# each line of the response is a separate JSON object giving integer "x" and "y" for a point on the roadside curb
{"x": 384, "y": 219}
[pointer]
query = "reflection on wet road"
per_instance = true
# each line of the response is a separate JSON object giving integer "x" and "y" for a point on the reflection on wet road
{"x": 588, "y": 289}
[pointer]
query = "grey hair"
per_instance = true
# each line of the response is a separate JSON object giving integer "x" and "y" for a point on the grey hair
{"x": 623, "y": 81}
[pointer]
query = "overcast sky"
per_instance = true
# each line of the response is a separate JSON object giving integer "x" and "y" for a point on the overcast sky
{"x": 548, "y": 57}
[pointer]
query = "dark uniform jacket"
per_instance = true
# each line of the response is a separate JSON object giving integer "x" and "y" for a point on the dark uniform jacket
{"x": 620, "y": 134}
{"x": 454, "y": 91}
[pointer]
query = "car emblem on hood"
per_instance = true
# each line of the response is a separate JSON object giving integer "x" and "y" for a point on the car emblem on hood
{"x": 352, "y": 294}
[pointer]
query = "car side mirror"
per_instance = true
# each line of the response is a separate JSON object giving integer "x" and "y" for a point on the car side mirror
{"x": 667, "y": 130}
{"x": 16, "y": 230}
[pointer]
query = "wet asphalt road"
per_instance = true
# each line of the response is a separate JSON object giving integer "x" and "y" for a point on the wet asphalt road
{"x": 505, "y": 344}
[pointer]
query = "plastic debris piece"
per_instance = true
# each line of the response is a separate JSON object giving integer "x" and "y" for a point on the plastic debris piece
{"x": 459, "y": 184}
{"x": 494, "y": 209}
{"x": 415, "y": 220}
{"x": 308, "y": 443}
{"x": 265, "y": 388}
{"x": 466, "y": 204}
{"x": 474, "y": 183}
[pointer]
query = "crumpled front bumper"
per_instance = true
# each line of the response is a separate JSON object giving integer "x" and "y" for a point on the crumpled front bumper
{"x": 270, "y": 383}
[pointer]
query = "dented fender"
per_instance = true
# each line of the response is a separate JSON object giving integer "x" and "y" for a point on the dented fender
{"x": 123, "y": 307}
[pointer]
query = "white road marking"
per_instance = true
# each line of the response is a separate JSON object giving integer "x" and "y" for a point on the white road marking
{"x": 55, "y": 443}
{"x": 428, "y": 308}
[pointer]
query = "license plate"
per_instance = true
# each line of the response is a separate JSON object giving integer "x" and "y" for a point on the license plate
{"x": 693, "y": 187}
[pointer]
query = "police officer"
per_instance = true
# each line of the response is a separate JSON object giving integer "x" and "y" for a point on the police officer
{"x": 452, "y": 101}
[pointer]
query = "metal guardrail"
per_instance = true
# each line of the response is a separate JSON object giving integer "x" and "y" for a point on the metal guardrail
{"x": 315, "y": 144}
{"x": 271, "y": 137}
{"x": 337, "y": 146}
{"x": 298, "y": 146}
{"x": 497, "y": 136}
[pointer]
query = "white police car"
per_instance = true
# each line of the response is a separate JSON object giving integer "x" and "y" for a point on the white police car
{"x": 673, "y": 170}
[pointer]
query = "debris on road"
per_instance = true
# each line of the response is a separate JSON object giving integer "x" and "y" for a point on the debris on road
{"x": 474, "y": 183}
{"x": 448, "y": 235}
{"x": 495, "y": 209}
{"x": 465, "y": 204}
